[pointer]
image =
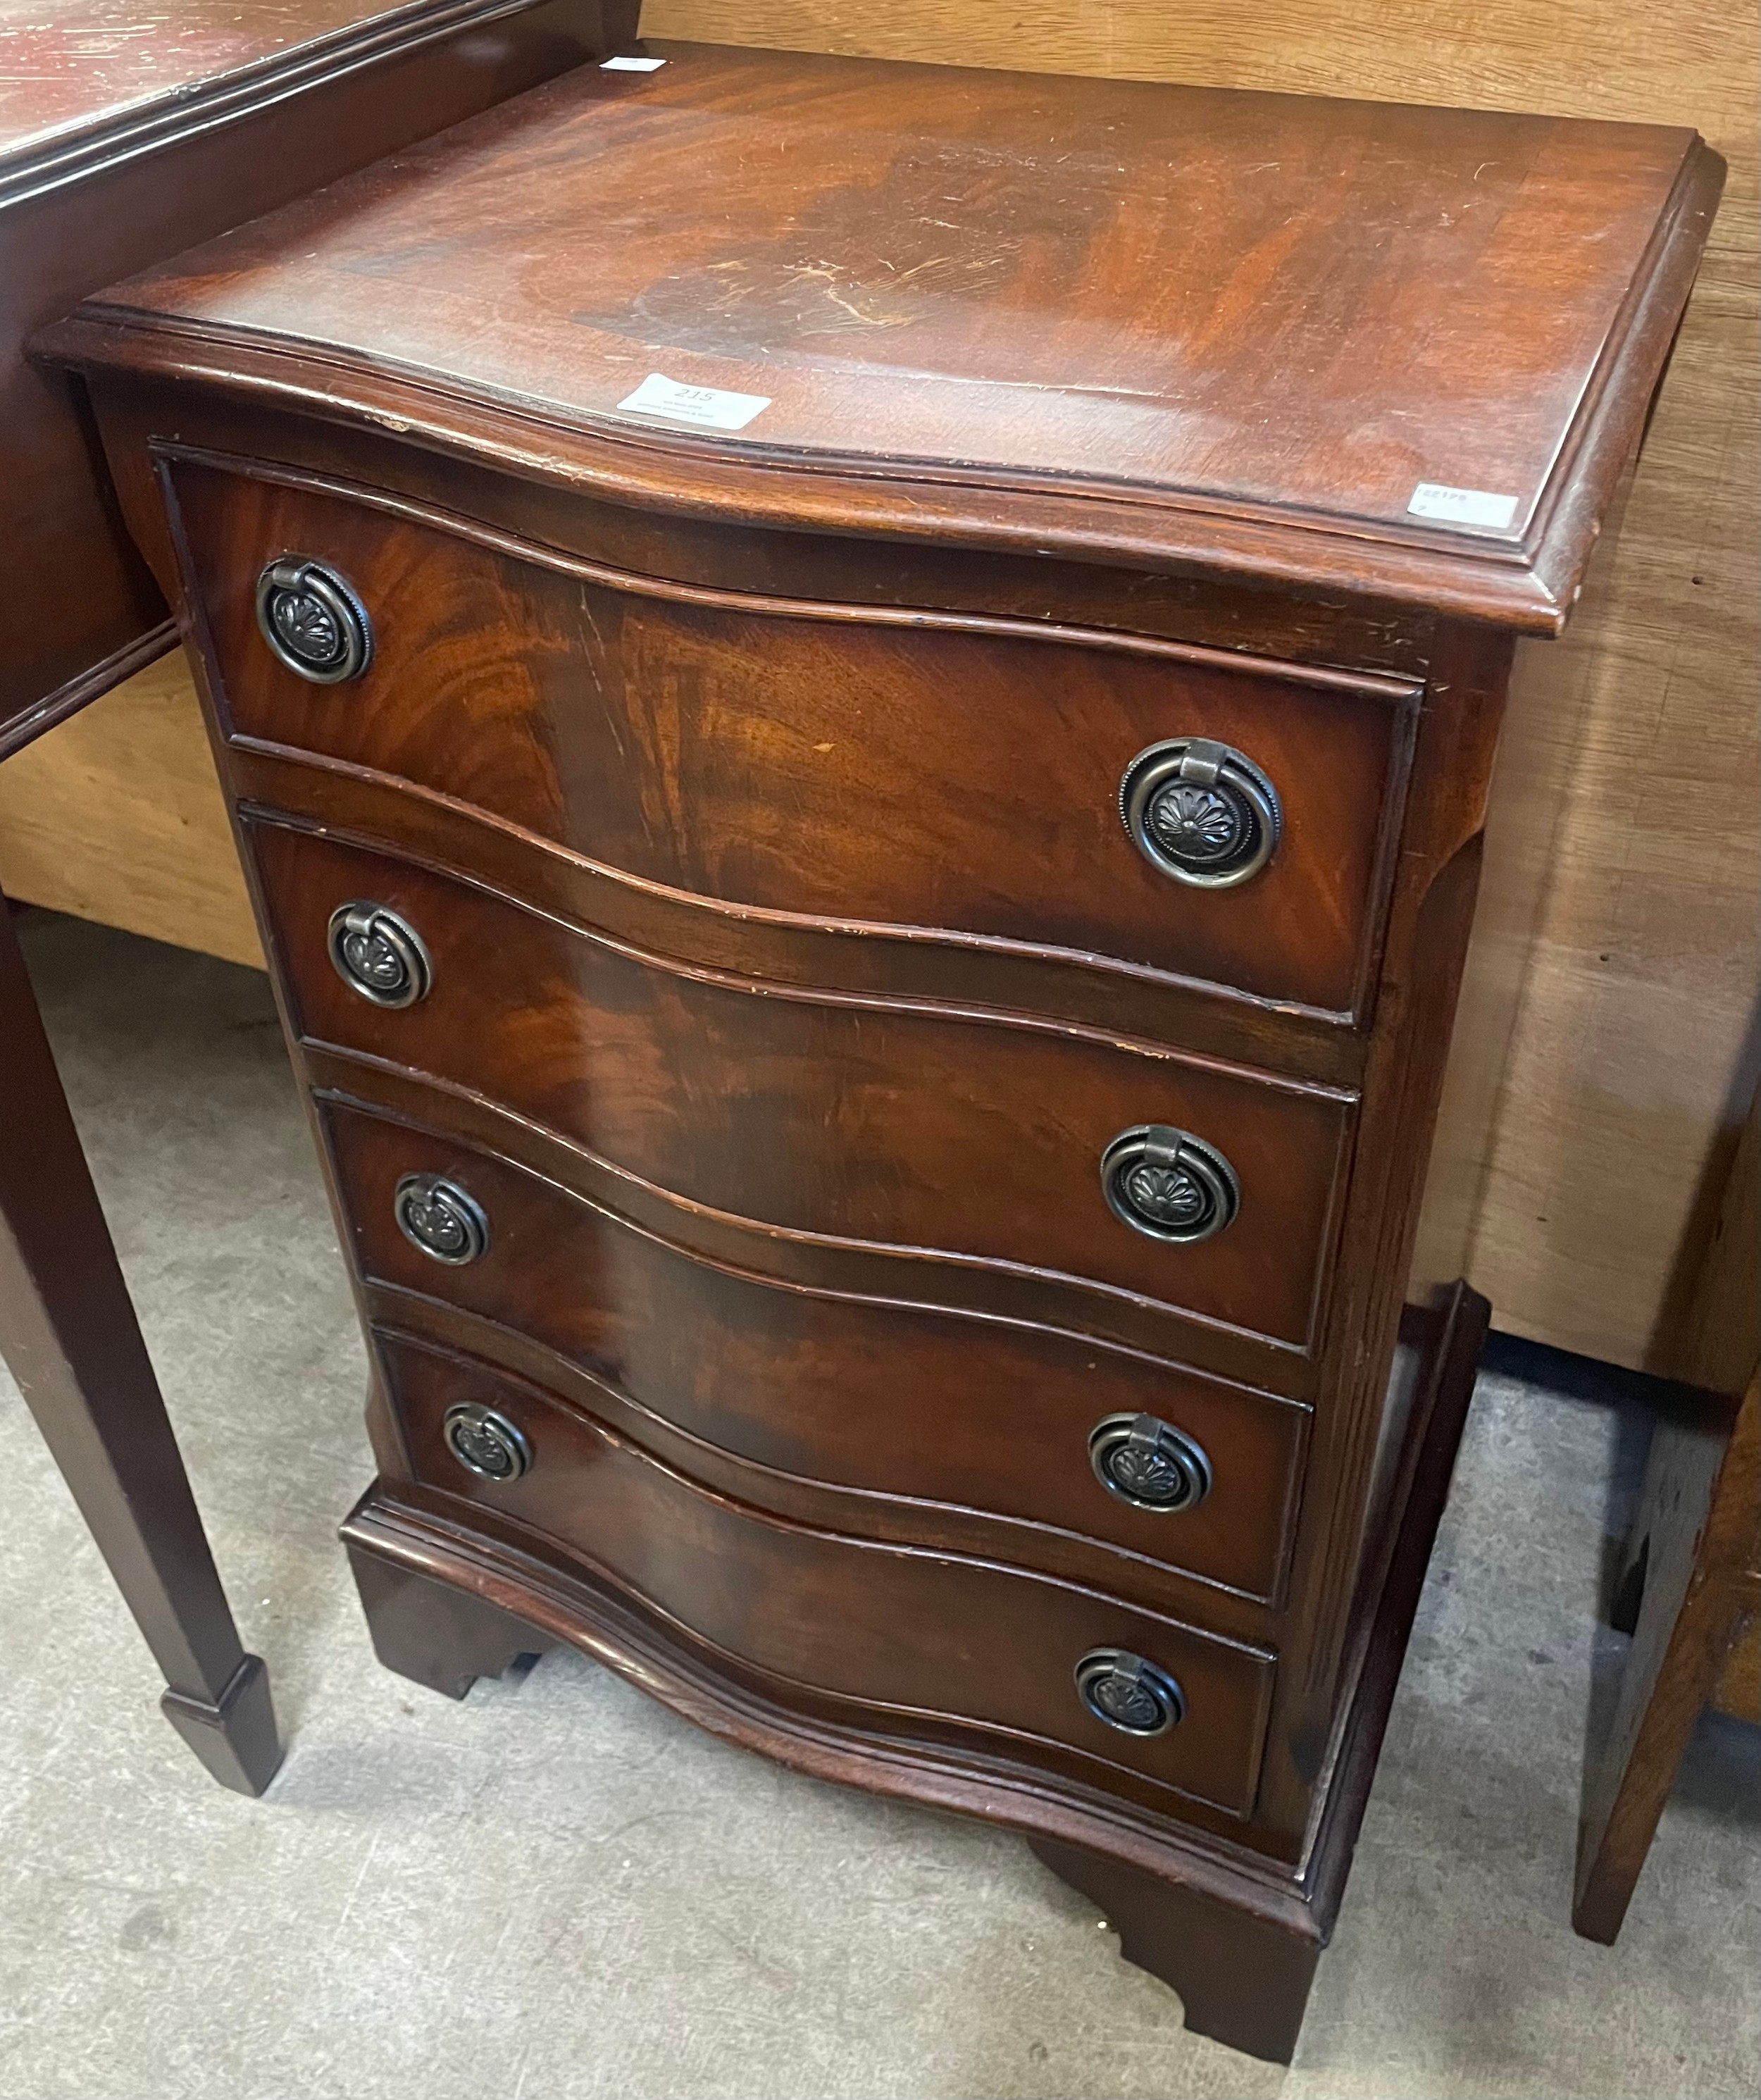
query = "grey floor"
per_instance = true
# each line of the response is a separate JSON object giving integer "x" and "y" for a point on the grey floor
{"x": 556, "y": 1889}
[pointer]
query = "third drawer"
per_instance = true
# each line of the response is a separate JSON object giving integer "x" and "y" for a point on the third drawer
{"x": 1093, "y": 1457}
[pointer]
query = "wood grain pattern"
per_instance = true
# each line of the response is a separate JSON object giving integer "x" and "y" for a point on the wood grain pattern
{"x": 790, "y": 947}
{"x": 1690, "y": 64}
{"x": 988, "y": 1533}
{"x": 1034, "y": 1298}
{"x": 86, "y": 78}
{"x": 1614, "y": 1125}
{"x": 1378, "y": 1299}
{"x": 1202, "y": 1948}
{"x": 443, "y": 1615}
{"x": 769, "y": 752}
{"x": 1638, "y": 1041}
{"x": 555, "y": 1596}
{"x": 946, "y": 1135}
{"x": 722, "y": 540}
{"x": 1533, "y": 773}
{"x": 1248, "y": 409}
{"x": 827, "y": 1387}
{"x": 909, "y": 1636}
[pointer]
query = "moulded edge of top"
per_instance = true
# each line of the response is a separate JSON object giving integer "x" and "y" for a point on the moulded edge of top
{"x": 1527, "y": 585}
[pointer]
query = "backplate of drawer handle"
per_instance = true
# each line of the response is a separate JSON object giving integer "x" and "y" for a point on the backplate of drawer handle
{"x": 444, "y": 1221}
{"x": 1201, "y": 812}
{"x": 1126, "y": 1693}
{"x": 1169, "y": 1185}
{"x": 1148, "y": 1463}
{"x": 312, "y": 621}
{"x": 486, "y": 1443}
{"x": 379, "y": 954}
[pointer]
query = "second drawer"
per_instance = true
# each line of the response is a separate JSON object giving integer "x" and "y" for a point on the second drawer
{"x": 901, "y": 1402}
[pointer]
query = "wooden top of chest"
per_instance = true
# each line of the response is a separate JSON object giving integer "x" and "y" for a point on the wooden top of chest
{"x": 1144, "y": 322}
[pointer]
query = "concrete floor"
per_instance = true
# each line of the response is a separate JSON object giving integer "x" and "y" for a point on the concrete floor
{"x": 556, "y": 1889}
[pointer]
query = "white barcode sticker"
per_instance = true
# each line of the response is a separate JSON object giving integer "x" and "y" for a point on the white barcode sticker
{"x": 1462, "y": 506}
{"x": 713, "y": 407}
{"x": 631, "y": 65}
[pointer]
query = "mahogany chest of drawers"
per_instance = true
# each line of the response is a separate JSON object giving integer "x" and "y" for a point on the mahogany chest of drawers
{"x": 862, "y": 705}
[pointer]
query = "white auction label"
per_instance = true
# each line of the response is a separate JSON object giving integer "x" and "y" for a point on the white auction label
{"x": 1462, "y": 506}
{"x": 713, "y": 407}
{"x": 631, "y": 65}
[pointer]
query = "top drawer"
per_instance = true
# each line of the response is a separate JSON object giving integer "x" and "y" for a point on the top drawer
{"x": 913, "y": 769}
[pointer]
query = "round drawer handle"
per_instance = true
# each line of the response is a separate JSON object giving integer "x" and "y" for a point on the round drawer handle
{"x": 1129, "y": 1694}
{"x": 1201, "y": 812}
{"x": 1148, "y": 1463}
{"x": 379, "y": 955}
{"x": 1169, "y": 1184}
{"x": 444, "y": 1220}
{"x": 486, "y": 1443}
{"x": 313, "y": 621}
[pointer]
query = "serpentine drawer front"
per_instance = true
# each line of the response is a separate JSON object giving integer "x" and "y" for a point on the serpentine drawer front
{"x": 925, "y": 1414}
{"x": 759, "y": 754}
{"x": 920, "y": 1637}
{"x": 971, "y": 1140}
{"x": 861, "y": 702}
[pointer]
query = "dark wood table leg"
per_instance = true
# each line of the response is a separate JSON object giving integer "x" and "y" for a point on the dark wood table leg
{"x": 1689, "y": 1585}
{"x": 69, "y": 1336}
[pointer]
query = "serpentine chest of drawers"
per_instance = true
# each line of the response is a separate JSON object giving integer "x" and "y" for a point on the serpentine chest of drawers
{"x": 861, "y": 702}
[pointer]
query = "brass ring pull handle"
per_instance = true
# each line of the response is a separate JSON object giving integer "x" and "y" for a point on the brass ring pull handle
{"x": 1201, "y": 812}
{"x": 377, "y": 953}
{"x": 1168, "y": 1184}
{"x": 1127, "y": 1693}
{"x": 1148, "y": 1463}
{"x": 312, "y": 621}
{"x": 445, "y": 1221}
{"x": 486, "y": 1443}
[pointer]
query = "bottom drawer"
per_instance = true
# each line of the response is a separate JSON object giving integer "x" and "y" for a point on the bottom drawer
{"x": 908, "y": 1632}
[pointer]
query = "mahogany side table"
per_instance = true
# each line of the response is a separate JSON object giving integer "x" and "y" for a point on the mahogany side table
{"x": 1688, "y": 1588}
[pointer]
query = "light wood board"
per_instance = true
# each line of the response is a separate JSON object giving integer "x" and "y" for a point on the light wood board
{"x": 1635, "y": 1048}
{"x": 116, "y": 815}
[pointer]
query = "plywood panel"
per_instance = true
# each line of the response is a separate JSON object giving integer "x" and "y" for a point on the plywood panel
{"x": 116, "y": 815}
{"x": 1635, "y": 1049}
